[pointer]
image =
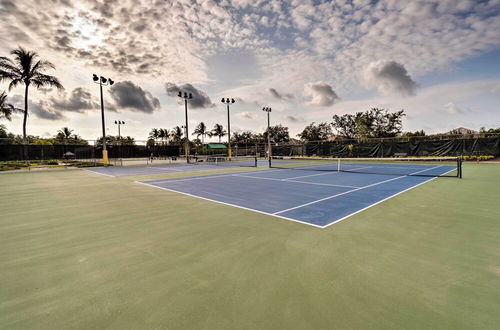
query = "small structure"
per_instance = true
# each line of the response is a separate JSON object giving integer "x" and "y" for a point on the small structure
{"x": 216, "y": 146}
{"x": 69, "y": 155}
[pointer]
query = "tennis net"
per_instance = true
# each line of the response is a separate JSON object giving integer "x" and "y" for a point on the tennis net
{"x": 243, "y": 161}
{"x": 413, "y": 166}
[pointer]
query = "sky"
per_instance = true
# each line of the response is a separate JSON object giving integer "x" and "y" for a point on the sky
{"x": 307, "y": 60}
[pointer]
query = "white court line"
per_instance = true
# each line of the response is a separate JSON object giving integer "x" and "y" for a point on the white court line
{"x": 165, "y": 168}
{"x": 332, "y": 172}
{"x": 241, "y": 207}
{"x": 112, "y": 176}
{"x": 205, "y": 176}
{"x": 288, "y": 180}
{"x": 353, "y": 190}
{"x": 321, "y": 184}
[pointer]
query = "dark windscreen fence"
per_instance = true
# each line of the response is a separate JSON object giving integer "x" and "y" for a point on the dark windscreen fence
{"x": 135, "y": 151}
{"x": 452, "y": 147}
{"x": 424, "y": 166}
{"x": 45, "y": 152}
{"x": 17, "y": 152}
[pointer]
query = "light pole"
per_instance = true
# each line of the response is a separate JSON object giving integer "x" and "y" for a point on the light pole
{"x": 269, "y": 150}
{"x": 103, "y": 82}
{"x": 227, "y": 101}
{"x": 119, "y": 123}
{"x": 186, "y": 97}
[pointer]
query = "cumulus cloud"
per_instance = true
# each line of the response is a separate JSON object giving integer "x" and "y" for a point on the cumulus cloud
{"x": 246, "y": 115}
{"x": 389, "y": 77}
{"x": 130, "y": 96}
{"x": 294, "y": 119}
{"x": 283, "y": 97}
{"x": 39, "y": 109}
{"x": 200, "y": 99}
{"x": 43, "y": 110}
{"x": 322, "y": 94}
{"x": 79, "y": 100}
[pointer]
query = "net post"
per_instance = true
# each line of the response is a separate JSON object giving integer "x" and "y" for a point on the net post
{"x": 338, "y": 164}
{"x": 459, "y": 164}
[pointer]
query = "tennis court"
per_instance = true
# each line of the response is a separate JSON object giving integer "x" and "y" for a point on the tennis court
{"x": 196, "y": 164}
{"x": 313, "y": 192}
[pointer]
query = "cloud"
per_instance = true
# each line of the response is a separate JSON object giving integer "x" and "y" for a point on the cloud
{"x": 39, "y": 109}
{"x": 130, "y": 96}
{"x": 246, "y": 115}
{"x": 453, "y": 109}
{"x": 42, "y": 110}
{"x": 79, "y": 100}
{"x": 294, "y": 119}
{"x": 200, "y": 99}
{"x": 322, "y": 94}
{"x": 389, "y": 77}
{"x": 284, "y": 97}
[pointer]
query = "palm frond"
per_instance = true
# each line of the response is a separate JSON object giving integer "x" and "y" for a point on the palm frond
{"x": 15, "y": 82}
{"x": 40, "y": 80}
{"x": 40, "y": 66}
{"x": 24, "y": 58}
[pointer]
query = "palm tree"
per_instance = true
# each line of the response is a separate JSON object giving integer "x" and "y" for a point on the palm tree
{"x": 177, "y": 134}
{"x": 163, "y": 134}
{"x": 219, "y": 131}
{"x": 27, "y": 69}
{"x": 154, "y": 134}
{"x": 167, "y": 134}
{"x": 6, "y": 109}
{"x": 64, "y": 134}
{"x": 201, "y": 129}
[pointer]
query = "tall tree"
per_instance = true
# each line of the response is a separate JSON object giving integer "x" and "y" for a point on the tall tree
{"x": 176, "y": 134}
{"x": 65, "y": 133}
{"x": 219, "y": 131}
{"x": 316, "y": 132}
{"x": 201, "y": 130}
{"x": 279, "y": 134}
{"x": 27, "y": 69}
{"x": 66, "y": 136}
{"x": 374, "y": 123}
{"x": 385, "y": 123}
{"x": 154, "y": 134}
{"x": 345, "y": 125}
{"x": 6, "y": 109}
{"x": 245, "y": 136}
{"x": 163, "y": 134}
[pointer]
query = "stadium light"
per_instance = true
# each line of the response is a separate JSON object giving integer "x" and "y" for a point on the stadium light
{"x": 119, "y": 123}
{"x": 103, "y": 82}
{"x": 228, "y": 101}
{"x": 269, "y": 149}
{"x": 186, "y": 96}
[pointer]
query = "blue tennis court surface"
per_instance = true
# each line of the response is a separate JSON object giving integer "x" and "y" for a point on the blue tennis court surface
{"x": 307, "y": 196}
{"x": 121, "y": 171}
